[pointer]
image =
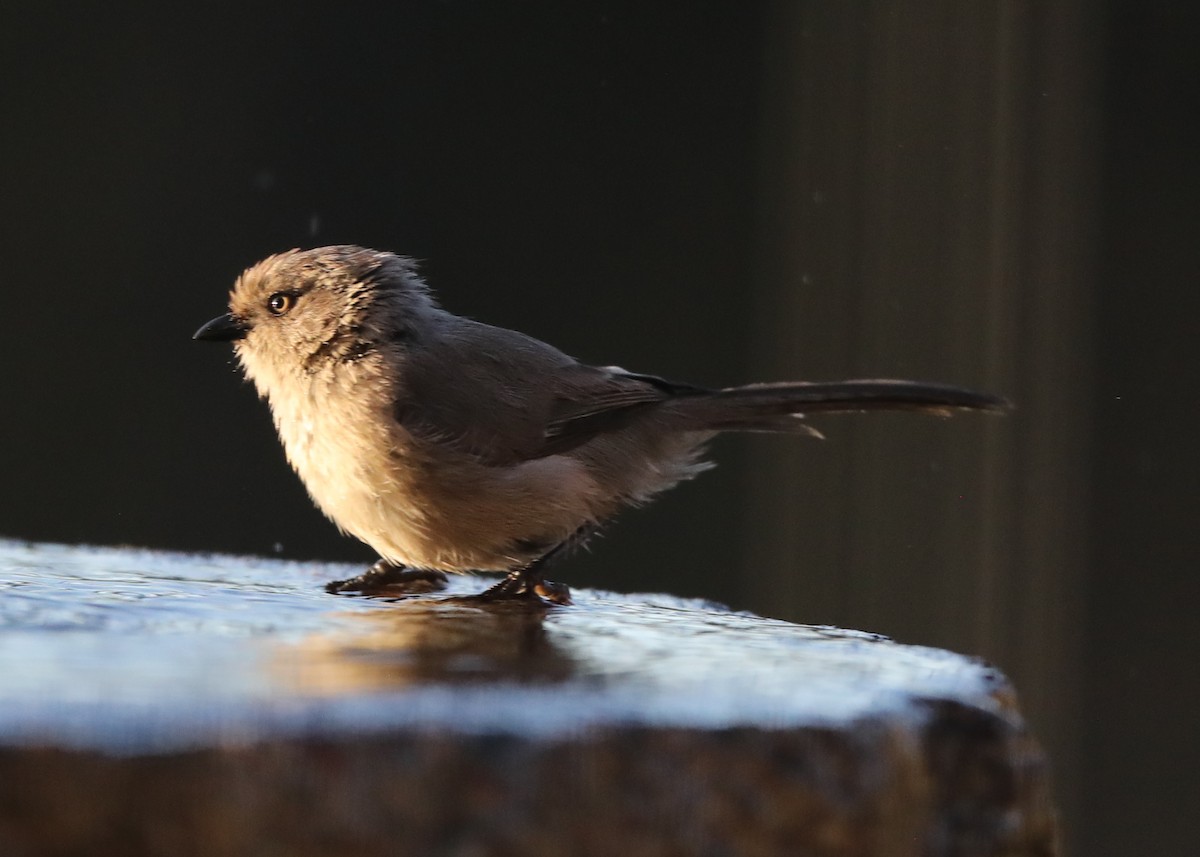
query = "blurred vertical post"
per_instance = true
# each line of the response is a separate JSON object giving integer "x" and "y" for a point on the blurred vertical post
{"x": 927, "y": 181}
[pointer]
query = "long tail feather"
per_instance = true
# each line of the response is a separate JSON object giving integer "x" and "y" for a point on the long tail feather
{"x": 775, "y": 407}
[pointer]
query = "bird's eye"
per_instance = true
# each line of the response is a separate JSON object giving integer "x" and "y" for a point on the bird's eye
{"x": 280, "y": 302}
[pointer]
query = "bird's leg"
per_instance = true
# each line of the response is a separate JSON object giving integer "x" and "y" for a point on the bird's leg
{"x": 530, "y": 582}
{"x": 389, "y": 578}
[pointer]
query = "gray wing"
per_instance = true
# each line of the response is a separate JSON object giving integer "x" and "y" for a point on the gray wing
{"x": 503, "y": 397}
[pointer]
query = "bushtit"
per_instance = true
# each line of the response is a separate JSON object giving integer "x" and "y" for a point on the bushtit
{"x": 448, "y": 445}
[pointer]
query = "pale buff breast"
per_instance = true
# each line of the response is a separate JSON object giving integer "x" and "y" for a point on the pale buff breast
{"x": 411, "y": 500}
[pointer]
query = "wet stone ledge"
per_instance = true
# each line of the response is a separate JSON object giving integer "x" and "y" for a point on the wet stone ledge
{"x": 155, "y": 703}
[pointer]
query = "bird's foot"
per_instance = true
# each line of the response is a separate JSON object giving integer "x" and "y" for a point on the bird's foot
{"x": 386, "y": 578}
{"x": 525, "y": 584}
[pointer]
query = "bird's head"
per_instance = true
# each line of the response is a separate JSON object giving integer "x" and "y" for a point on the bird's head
{"x": 302, "y": 311}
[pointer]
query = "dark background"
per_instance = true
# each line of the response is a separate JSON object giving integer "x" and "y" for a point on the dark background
{"x": 998, "y": 195}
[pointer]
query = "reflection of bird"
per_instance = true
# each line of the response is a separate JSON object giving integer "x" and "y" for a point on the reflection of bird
{"x": 450, "y": 445}
{"x": 428, "y": 641}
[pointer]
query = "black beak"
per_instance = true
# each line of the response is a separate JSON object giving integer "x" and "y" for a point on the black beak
{"x": 223, "y": 328}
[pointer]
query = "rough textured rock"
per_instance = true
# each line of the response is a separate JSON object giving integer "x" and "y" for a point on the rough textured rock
{"x": 164, "y": 704}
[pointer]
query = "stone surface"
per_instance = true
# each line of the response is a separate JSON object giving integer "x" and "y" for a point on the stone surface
{"x": 155, "y": 703}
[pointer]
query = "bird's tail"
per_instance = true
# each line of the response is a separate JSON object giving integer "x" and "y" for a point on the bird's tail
{"x": 781, "y": 407}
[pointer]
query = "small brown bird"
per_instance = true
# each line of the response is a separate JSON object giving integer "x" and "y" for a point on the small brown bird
{"x": 448, "y": 445}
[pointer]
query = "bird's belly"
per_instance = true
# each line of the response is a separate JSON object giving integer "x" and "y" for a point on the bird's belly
{"x": 426, "y": 507}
